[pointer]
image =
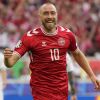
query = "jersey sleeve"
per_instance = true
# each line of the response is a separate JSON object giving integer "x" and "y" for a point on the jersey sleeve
{"x": 22, "y": 46}
{"x": 73, "y": 43}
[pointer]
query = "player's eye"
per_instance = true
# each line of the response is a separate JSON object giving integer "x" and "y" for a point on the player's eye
{"x": 46, "y": 13}
{"x": 53, "y": 12}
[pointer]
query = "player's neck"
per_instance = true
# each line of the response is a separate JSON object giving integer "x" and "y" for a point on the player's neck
{"x": 49, "y": 32}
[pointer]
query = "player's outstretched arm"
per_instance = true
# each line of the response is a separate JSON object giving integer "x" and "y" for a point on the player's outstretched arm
{"x": 10, "y": 58}
{"x": 83, "y": 62}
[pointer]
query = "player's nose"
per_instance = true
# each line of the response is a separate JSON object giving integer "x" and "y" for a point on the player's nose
{"x": 49, "y": 15}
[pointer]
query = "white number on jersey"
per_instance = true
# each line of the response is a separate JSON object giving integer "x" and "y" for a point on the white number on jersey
{"x": 54, "y": 54}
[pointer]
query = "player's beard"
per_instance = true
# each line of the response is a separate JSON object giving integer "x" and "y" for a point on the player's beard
{"x": 49, "y": 26}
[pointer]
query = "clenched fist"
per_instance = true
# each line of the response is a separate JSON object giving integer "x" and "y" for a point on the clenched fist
{"x": 7, "y": 53}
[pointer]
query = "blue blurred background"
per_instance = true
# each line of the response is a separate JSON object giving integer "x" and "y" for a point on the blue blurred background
{"x": 80, "y": 16}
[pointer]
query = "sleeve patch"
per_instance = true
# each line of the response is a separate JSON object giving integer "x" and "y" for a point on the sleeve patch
{"x": 19, "y": 44}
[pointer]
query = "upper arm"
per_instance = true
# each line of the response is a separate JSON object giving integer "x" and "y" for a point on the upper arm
{"x": 73, "y": 42}
{"x": 76, "y": 52}
{"x": 22, "y": 46}
{"x": 79, "y": 56}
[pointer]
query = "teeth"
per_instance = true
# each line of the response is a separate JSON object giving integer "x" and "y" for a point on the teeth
{"x": 49, "y": 21}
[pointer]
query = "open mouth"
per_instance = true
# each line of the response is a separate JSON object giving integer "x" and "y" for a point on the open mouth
{"x": 49, "y": 21}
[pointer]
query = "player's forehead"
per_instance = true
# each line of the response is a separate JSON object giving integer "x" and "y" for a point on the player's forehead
{"x": 47, "y": 7}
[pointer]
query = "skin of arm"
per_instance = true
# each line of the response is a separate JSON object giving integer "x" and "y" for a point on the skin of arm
{"x": 84, "y": 64}
{"x": 70, "y": 77}
{"x": 71, "y": 82}
{"x": 10, "y": 58}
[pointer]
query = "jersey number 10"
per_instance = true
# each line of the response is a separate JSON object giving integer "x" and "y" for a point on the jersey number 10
{"x": 54, "y": 54}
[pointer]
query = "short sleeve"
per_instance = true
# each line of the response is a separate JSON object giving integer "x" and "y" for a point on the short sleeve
{"x": 22, "y": 46}
{"x": 73, "y": 43}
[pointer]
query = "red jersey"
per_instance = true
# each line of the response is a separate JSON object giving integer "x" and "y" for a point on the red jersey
{"x": 49, "y": 80}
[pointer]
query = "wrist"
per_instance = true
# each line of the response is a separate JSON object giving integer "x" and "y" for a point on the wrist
{"x": 92, "y": 77}
{"x": 73, "y": 92}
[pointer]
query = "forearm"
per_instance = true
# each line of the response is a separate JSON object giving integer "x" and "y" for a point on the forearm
{"x": 71, "y": 82}
{"x": 83, "y": 62}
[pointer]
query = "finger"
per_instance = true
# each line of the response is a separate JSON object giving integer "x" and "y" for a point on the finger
{"x": 8, "y": 51}
{"x": 97, "y": 89}
{"x": 97, "y": 85}
{"x": 8, "y": 54}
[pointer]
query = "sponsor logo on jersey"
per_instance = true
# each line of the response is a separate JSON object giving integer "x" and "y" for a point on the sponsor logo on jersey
{"x": 19, "y": 44}
{"x": 44, "y": 44}
{"x": 61, "y": 41}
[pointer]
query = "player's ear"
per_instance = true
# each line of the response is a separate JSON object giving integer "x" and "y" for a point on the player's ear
{"x": 39, "y": 13}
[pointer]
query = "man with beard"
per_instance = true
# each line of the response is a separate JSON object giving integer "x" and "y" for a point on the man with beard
{"x": 47, "y": 47}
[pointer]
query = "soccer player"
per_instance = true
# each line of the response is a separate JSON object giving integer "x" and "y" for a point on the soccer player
{"x": 48, "y": 45}
{"x": 70, "y": 69}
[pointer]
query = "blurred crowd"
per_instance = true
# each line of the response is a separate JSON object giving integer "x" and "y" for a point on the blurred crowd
{"x": 80, "y": 16}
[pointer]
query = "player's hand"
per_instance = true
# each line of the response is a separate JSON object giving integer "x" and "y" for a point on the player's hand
{"x": 7, "y": 53}
{"x": 96, "y": 83}
{"x": 73, "y": 97}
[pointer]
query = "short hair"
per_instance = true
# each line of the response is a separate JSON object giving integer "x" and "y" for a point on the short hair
{"x": 50, "y": 2}
{"x": 47, "y": 2}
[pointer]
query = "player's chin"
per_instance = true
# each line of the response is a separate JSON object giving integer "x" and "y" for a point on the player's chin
{"x": 50, "y": 25}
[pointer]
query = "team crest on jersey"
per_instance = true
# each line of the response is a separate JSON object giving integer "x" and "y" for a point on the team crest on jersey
{"x": 44, "y": 43}
{"x": 19, "y": 44}
{"x": 61, "y": 41}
